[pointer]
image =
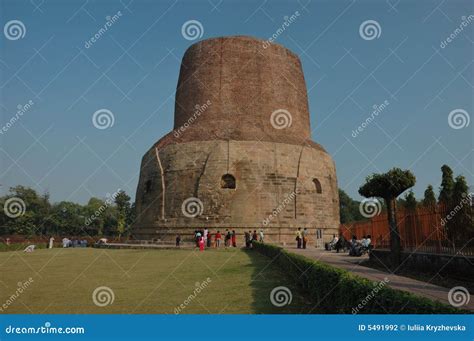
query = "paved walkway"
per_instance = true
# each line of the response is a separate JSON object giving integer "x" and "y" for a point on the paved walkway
{"x": 343, "y": 261}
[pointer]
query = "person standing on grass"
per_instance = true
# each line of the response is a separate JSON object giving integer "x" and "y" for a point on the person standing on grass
{"x": 234, "y": 241}
{"x": 254, "y": 235}
{"x": 247, "y": 239}
{"x": 201, "y": 243}
{"x": 205, "y": 234}
{"x": 209, "y": 240}
{"x": 261, "y": 236}
{"x": 298, "y": 238}
{"x": 218, "y": 238}
{"x": 305, "y": 237}
{"x": 227, "y": 238}
{"x": 178, "y": 240}
{"x": 51, "y": 243}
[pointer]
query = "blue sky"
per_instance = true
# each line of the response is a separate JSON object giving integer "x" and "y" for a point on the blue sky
{"x": 132, "y": 70}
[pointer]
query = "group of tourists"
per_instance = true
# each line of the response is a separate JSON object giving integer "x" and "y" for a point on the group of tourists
{"x": 251, "y": 237}
{"x": 301, "y": 238}
{"x": 203, "y": 238}
{"x": 360, "y": 247}
{"x": 74, "y": 242}
{"x": 356, "y": 247}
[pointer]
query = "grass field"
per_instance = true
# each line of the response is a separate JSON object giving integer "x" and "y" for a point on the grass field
{"x": 143, "y": 281}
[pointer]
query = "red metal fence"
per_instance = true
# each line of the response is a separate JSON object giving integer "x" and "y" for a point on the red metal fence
{"x": 420, "y": 230}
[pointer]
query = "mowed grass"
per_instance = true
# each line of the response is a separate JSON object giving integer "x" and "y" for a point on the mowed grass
{"x": 144, "y": 281}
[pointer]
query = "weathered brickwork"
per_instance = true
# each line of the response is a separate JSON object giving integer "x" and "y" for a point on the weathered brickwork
{"x": 283, "y": 180}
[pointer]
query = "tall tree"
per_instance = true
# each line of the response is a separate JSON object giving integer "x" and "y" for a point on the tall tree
{"x": 447, "y": 185}
{"x": 410, "y": 201}
{"x": 389, "y": 186}
{"x": 460, "y": 226}
{"x": 429, "y": 199}
{"x": 348, "y": 208}
{"x": 122, "y": 200}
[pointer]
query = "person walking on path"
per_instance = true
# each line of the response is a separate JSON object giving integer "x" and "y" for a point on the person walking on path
{"x": 298, "y": 238}
{"x": 305, "y": 237}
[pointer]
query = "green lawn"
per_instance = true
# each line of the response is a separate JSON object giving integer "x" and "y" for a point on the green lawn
{"x": 144, "y": 281}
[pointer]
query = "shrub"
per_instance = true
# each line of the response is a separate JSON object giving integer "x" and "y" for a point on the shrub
{"x": 338, "y": 291}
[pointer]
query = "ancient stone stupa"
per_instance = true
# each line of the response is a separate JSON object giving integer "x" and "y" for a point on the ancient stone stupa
{"x": 240, "y": 156}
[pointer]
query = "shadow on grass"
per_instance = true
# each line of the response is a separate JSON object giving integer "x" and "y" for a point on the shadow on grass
{"x": 286, "y": 298}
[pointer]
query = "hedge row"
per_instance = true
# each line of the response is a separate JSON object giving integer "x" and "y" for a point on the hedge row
{"x": 338, "y": 291}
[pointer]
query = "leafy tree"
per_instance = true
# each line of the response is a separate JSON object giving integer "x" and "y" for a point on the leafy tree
{"x": 122, "y": 200}
{"x": 410, "y": 202}
{"x": 69, "y": 218}
{"x": 460, "y": 227}
{"x": 32, "y": 211}
{"x": 429, "y": 199}
{"x": 447, "y": 185}
{"x": 389, "y": 186}
{"x": 94, "y": 216}
{"x": 348, "y": 208}
{"x": 38, "y": 216}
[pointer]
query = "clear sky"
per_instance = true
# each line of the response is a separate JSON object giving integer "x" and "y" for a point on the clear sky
{"x": 132, "y": 70}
